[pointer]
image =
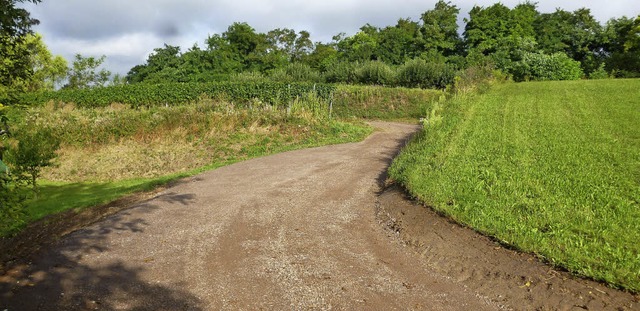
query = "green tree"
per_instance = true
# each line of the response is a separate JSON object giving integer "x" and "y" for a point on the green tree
{"x": 487, "y": 28}
{"x": 48, "y": 70}
{"x": 45, "y": 70}
{"x": 15, "y": 24}
{"x": 360, "y": 47}
{"x": 577, "y": 34}
{"x": 222, "y": 56}
{"x": 622, "y": 46}
{"x": 33, "y": 151}
{"x": 322, "y": 57}
{"x": 440, "y": 29}
{"x": 84, "y": 73}
{"x": 395, "y": 44}
{"x": 162, "y": 64}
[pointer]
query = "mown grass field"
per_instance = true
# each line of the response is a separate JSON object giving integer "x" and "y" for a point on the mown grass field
{"x": 548, "y": 167}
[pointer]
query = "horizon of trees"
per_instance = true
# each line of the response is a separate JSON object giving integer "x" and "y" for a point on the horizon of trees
{"x": 520, "y": 41}
{"x": 495, "y": 34}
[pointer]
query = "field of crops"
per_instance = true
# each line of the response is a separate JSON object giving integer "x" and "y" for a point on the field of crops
{"x": 172, "y": 94}
{"x": 551, "y": 168}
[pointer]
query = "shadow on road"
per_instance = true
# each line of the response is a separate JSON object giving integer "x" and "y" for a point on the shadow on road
{"x": 389, "y": 156}
{"x": 60, "y": 280}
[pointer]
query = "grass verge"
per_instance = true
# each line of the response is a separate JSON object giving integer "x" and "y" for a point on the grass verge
{"x": 383, "y": 103}
{"x": 551, "y": 168}
{"x": 107, "y": 153}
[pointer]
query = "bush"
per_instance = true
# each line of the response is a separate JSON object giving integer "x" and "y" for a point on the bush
{"x": 341, "y": 72}
{"x": 295, "y": 72}
{"x": 476, "y": 78}
{"x": 419, "y": 73}
{"x": 382, "y": 103}
{"x": 599, "y": 73}
{"x": 300, "y": 72}
{"x": 34, "y": 150}
{"x": 542, "y": 67}
{"x": 173, "y": 94}
{"x": 247, "y": 76}
{"x": 375, "y": 73}
{"x": 12, "y": 213}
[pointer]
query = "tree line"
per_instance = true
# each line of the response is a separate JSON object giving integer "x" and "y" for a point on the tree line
{"x": 521, "y": 42}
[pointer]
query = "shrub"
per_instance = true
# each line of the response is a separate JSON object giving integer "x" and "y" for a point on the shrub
{"x": 34, "y": 150}
{"x": 599, "y": 73}
{"x": 375, "y": 73}
{"x": 295, "y": 72}
{"x": 173, "y": 94}
{"x": 12, "y": 213}
{"x": 341, "y": 72}
{"x": 538, "y": 66}
{"x": 247, "y": 76}
{"x": 300, "y": 72}
{"x": 419, "y": 73}
{"x": 476, "y": 78}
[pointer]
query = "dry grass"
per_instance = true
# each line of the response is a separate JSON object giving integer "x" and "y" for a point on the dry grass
{"x": 119, "y": 143}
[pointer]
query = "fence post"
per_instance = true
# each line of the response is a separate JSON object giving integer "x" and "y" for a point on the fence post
{"x": 330, "y": 105}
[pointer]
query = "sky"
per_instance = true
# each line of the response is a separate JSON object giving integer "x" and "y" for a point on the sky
{"x": 127, "y": 31}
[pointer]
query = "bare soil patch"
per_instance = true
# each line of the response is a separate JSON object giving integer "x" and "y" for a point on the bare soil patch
{"x": 510, "y": 278}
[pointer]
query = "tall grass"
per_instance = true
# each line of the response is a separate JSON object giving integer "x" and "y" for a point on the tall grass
{"x": 113, "y": 151}
{"x": 117, "y": 142}
{"x": 376, "y": 102}
{"x": 551, "y": 168}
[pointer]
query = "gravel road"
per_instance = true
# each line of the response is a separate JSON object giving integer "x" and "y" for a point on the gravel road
{"x": 292, "y": 231}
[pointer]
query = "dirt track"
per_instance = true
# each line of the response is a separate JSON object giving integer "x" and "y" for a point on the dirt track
{"x": 299, "y": 230}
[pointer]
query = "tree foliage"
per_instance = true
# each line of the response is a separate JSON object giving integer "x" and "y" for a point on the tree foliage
{"x": 15, "y": 25}
{"x": 33, "y": 151}
{"x": 85, "y": 73}
{"x": 440, "y": 29}
{"x": 496, "y": 34}
{"x": 539, "y": 66}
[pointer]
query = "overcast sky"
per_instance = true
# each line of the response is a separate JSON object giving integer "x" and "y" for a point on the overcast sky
{"x": 126, "y": 31}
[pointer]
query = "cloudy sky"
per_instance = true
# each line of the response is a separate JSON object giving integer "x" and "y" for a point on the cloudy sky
{"x": 127, "y": 31}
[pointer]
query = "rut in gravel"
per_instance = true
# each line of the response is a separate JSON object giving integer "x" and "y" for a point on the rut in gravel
{"x": 297, "y": 230}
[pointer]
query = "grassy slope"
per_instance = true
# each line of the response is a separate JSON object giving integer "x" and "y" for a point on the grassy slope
{"x": 107, "y": 166}
{"x": 552, "y": 168}
{"x": 55, "y": 197}
{"x": 378, "y": 102}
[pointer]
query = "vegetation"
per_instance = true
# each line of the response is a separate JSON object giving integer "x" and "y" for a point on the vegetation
{"x": 520, "y": 41}
{"x": 145, "y": 95}
{"x": 117, "y": 149}
{"x": 84, "y": 73}
{"x": 550, "y": 168}
{"x": 382, "y": 103}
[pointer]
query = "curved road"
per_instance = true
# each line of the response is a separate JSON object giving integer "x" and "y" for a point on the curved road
{"x": 295, "y": 230}
{"x": 292, "y": 231}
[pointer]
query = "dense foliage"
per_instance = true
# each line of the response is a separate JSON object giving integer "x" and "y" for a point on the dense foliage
{"x": 512, "y": 39}
{"x": 538, "y": 66}
{"x": 171, "y": 94}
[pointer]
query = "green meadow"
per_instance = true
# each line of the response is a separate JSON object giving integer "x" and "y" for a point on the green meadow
{"x": 551, "y": 168}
